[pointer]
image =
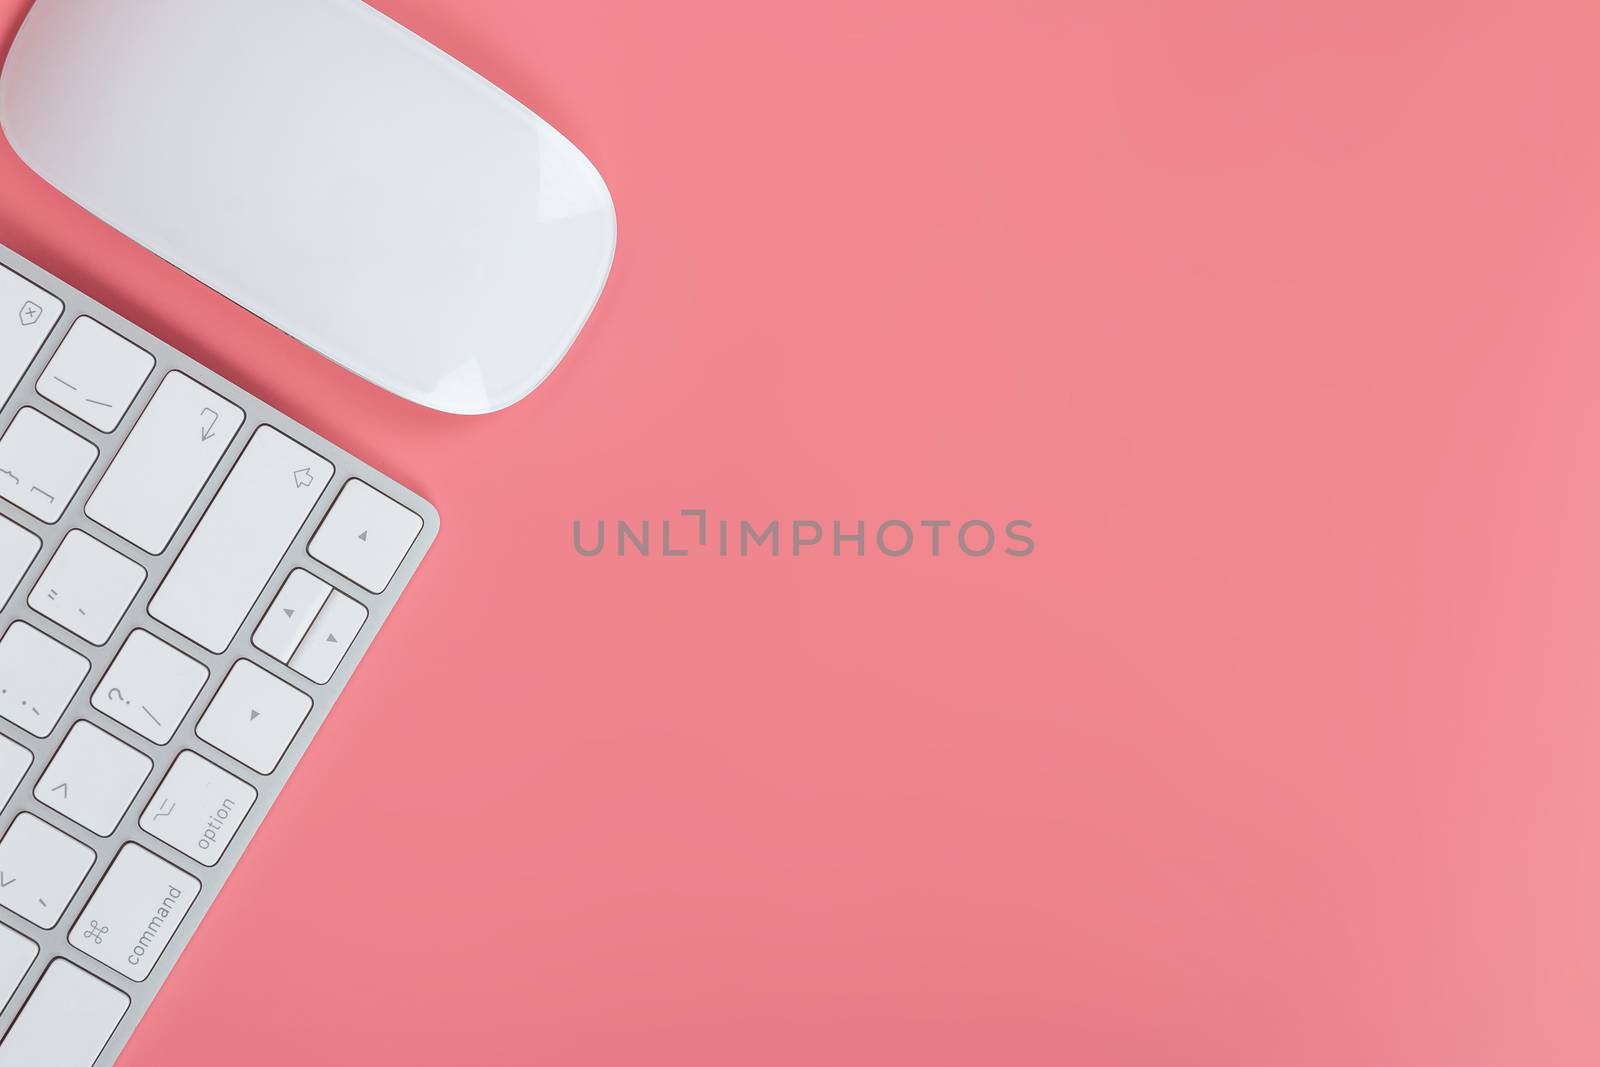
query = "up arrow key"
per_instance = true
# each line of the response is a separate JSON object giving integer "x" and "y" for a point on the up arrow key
{"x": 302, "y": 477}
{"x": 293, "y": 610}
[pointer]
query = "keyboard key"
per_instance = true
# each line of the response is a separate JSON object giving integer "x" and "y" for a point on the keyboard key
{"x": 87, "y": 587}
{"x": 197, "y": 808}
{"x": 150, "y": 686}
{"x": 291, "y": 614}
{"x": 134, "y": 912}
{"x": 365, "y": 536}
{"x": 14, "y": 763}
{"x": 66, "y": 1022}
{"x": 329, "y": 638}
{"x": 254, "y": 716}
{"x": 170, "y": 452}
{"x": 42, "y": 463}
{"x": 92, "y": 778}
{"x": 27, "y": 315}
{"x": 17, "y": 549}
{"x": 241, "y": 539}
{"x": 95, "y": 374}
{"x": 38, "y": 677}
{"x": 16, "y": 956}
{"x": 40, "y": 869}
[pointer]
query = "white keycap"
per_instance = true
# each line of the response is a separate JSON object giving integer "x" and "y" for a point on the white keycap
{"x": 16, "y": 956}
{"x": 254, "y": 716}
{"x": 40, "y": 869}
{"x": 169, "y": 454}
{"x": 17, "y": 549}
{"x": 27, "y": 315}
{"x": 86, "y": 587}
{"x": 38, "y": 676}
{"x": 66, "y": 1022}
{"x": 365, "y": 535}
{"x": 329, "y": 637}
{"x": 95, "y": 374}
{"x": 241, "y": 539}
{"x": 150, "y": 686}
{"x": 14, "y": 763}
{"x": 92, "y": 778}
{"x": 135, "y": 911}
{"x": 291, "y": 614}
{"x": 197, "y": 808}
{"x": 42, "y": 463}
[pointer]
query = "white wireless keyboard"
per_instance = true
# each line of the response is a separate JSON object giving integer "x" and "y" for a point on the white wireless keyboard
{"x": 187, "y": 579}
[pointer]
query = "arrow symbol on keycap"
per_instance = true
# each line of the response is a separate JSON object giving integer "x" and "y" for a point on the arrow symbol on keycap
{"x": 289, "y": 612}
{"x": 209, "y": 429}
{"x": 362, "y": 536}
{"x": 332, "y": 640}
{"x": 254, "y": 715}
{"x": 302, "y": 477}
{"x": 4, "y": 881}
{"x": 62, "y": 789}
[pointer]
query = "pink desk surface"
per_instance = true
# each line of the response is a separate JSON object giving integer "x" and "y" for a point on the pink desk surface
{"x": 1281, "y": 328}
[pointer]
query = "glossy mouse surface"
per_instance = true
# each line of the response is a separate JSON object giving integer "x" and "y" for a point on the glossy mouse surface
{"x": 330, "y": 171}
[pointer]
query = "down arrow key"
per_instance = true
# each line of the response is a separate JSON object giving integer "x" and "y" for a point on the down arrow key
{"x": 330, "y": 637}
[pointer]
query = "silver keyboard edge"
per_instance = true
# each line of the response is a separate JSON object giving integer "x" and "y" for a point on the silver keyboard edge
{"x": 54, "y": 943}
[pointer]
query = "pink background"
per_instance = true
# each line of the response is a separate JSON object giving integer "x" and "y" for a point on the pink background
{"x": 1279, "y": 324}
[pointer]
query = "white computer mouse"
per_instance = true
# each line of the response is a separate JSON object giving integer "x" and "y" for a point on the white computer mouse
{"x": 328, "y": 170}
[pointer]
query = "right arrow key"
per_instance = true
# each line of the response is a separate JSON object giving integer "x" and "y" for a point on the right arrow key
{"x": 366, "y": 535}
